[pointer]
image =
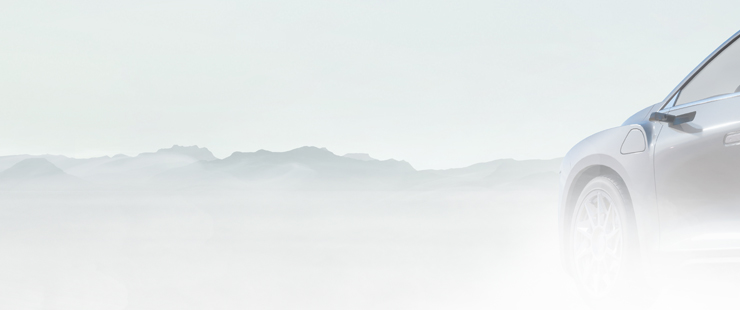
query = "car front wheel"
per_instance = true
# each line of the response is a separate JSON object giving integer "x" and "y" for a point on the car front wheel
{"x": 604, "y": 247}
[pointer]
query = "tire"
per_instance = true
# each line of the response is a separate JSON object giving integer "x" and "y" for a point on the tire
{"x": 604, "y": 249}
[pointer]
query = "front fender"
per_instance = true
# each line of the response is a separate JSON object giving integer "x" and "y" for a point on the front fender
{"x": 599, "y": 154}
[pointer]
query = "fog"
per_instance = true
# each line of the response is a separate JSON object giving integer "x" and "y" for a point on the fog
{"x": 278, "y": 250}
{"x": 439, "y": 240}
{"x": 300, "y": 250}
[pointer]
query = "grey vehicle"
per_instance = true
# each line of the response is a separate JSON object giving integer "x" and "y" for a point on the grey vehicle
{"x": 662, "y": 187}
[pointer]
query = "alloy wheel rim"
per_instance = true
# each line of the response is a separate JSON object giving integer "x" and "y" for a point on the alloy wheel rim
{"x": 597, "y": 242}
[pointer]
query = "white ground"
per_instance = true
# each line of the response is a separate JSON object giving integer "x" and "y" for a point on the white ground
{"x": 290, "y": 250}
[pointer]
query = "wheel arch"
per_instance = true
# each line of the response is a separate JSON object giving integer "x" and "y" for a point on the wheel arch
{"x": 578, "y": 183}
{"x": 586, "y": 175}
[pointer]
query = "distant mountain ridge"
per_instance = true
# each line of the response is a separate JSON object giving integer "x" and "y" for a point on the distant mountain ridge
{"x": 37, "y": 173}
{"x": 359, "y": 156}
{"x": 193, "y": 151}
{"x": 304, "y": 168}
{"x": 31, "y": 168}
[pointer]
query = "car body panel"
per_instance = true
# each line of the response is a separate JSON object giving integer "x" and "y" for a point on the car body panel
{"x": 602, "y": 153}
{"x": 697, "y": 181}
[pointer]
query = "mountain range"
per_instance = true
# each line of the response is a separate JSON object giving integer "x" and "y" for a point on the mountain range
{"x": 305, "y": 168}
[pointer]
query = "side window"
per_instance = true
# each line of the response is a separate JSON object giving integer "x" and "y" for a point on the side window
{"x": 721, "y": 76}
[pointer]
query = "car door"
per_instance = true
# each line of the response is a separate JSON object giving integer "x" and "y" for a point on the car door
{"x": 697, "y": 163}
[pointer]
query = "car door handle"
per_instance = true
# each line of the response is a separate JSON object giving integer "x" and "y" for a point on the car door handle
{"x": 732, "y": 138}
{"x": 672, "y": 119}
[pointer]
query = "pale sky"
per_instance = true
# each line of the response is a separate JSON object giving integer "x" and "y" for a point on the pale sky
{"x": 439, "y": 84}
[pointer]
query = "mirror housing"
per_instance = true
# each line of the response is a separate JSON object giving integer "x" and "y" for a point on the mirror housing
{"x": 672, "y": 119}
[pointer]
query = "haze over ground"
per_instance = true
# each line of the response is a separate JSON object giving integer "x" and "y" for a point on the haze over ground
{"x": 181, "y": 229}
{"x": 478, "y": 237}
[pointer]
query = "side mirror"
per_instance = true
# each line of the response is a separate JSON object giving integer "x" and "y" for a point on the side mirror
{"x": 672, "y": 119}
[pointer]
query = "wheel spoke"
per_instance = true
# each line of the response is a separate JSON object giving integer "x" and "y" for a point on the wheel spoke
{"x": 600, "y": 210}
{"x": 585, "y": 233}
{"x": 585, "y": 223}
{"x": 597, "y": 241}
{"x": 612, "y": 219}
{"x": 593, "y": 218}
{"x": 582, "y": 252}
